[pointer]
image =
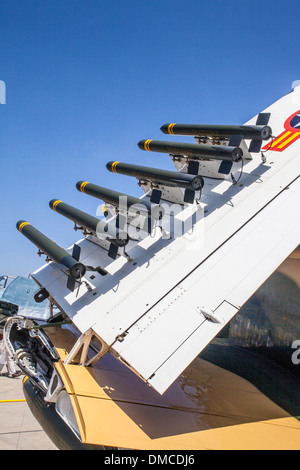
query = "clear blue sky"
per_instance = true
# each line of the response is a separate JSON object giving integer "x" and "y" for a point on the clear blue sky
{"x": 87, "y": 79}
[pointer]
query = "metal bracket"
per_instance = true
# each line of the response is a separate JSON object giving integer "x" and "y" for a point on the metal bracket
{"x": 84, "y": 342}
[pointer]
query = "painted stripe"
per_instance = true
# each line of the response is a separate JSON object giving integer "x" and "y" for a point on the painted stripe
{"x": 113, "y": 167}
{"x": 292, "y": 137}
{"x": 146, "y": 144}
{"x": 55, "y": 204}
{"x": 12, "y": 401}
{"x": 170, "y": 128}
{"x": 83, "y": 185}
{"x": 279, "y": 139}
{"x": 23, "y": 225}
{"x": 25, "y": 378}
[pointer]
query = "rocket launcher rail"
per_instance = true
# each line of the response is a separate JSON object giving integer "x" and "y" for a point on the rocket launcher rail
{"x": 165, "y": 177}
{"x": 188, "y": 181}
{"x": 51, "y": 249}
{"x": 110, "y": 196}
{"x": 216, "y": 152}
{"x": 256, "y": 132}
{"x": 95, "y": 225}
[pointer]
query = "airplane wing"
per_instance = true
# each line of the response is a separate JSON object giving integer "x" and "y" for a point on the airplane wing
{"x": 169, "y": 294}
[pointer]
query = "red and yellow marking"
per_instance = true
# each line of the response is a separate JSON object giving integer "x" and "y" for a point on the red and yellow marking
{"x": 286, "y": 138}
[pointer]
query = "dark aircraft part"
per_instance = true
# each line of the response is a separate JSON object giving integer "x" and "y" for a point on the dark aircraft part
{"x": 50, "y": 248}
{"x": 190, "y": 182}
{"x": 76, "y": 255}
{"x": 79, "y": 217}
{"x": 168, "y": 178}
{"x": 50, "y": 421}
{"x": 31, "y": 349}
{"x": 262, "y": 120}
{"x": 215, "y": 152}
{"x": 113, "y": 197}
{"x": 8, "y": 308}
{"x": 248, "y": 132}
{"x": 104, "y": 230}
{"x": 41, "y": 295}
